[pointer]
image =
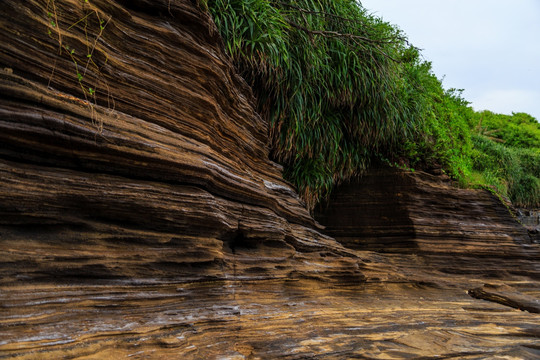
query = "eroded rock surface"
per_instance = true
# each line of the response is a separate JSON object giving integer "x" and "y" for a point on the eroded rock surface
{"x": 141, "y": 218}
{"x": 508, "y": 296}
{"x": 440, "y": 237}
{"x": 395, "y": 211}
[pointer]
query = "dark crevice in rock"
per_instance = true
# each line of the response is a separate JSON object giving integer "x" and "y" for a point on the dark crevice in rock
{"x": 238, "y": 241}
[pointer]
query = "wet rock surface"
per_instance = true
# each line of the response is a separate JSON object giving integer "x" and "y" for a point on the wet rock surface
{"x": 147, "y": 221}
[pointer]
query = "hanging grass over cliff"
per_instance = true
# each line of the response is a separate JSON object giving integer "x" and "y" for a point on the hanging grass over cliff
{"x": 330, "y": 80}
{"x": 340, "y": 87}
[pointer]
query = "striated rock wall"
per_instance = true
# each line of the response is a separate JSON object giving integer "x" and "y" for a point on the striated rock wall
{"x": 395, "y": 211}
{"x": 167, "y": 143}
{"x": 131, "y": 157}
{"x": 141, "y": 218}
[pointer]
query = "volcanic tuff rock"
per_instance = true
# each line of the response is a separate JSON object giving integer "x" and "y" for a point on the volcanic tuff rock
{"x": 141, "y": 217}
{"x": 395, "y": 211}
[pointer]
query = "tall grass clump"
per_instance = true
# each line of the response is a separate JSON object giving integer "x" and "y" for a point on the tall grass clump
{"x": 513, "y": 172}
{"x": 340, "y": 88}
{"x": 331, "y": 80}
{"x": 445, "y": 139}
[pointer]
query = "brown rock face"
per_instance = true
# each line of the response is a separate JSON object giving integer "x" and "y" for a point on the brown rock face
{"x": 394, "y": 211}
{"x": 157, "y": 179}
{"x": 439, "y": 237}
{"x": 171, "y": 145}
{"x": 140, "y": 216}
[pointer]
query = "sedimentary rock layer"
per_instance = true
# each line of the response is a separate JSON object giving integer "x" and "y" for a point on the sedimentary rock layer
{"x": 395, "y": 211}
{"x": 166, "y": 105}
{"x": 131, "y": 156}
{"x": 140, "y": 216}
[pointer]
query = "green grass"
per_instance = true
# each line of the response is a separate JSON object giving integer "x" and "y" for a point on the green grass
{"x": 330, "y": 80}
{"x": 341, "y": 88}
{"x": 514, "y": 172}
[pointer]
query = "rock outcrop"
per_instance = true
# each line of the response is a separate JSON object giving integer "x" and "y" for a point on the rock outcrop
{"x": 395, "y": 211}
{"x": 157, "y": 177}
{"x": 169, "y": 145}
{"x": 140, "y": 216}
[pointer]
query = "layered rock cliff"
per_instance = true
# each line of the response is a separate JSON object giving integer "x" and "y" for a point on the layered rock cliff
{"x": 141, "y": 217}
{"x": 395, "y": 211}
{"x": 170, "y": 144}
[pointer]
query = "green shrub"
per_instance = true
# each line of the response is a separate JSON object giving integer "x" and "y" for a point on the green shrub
{"x": 514, "y": 172}
{"x": 335, "y": 84}
{"x": 516, "y": 130}
{"x": 340, "y": 88}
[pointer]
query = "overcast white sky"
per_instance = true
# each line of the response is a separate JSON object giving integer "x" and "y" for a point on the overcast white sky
{"x": 489, "y": 48}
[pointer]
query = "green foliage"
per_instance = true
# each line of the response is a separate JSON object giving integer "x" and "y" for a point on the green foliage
{"x": 445, "y": 139}
{"x": 329, "y": 78}
{"x": 507, "y": 155}
{"x": 513, "y": 172}
{"x": 340, "y": 88}
{"x": 517, "y": 130}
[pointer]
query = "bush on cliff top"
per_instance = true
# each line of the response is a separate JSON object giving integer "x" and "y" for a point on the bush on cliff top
{"x": 329, "y": 78}
{"x": 506, "y": 155}
{"x": 340, "y": 87}
{"x": 514, "y": 172}
{"x": 517, "y": 130}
